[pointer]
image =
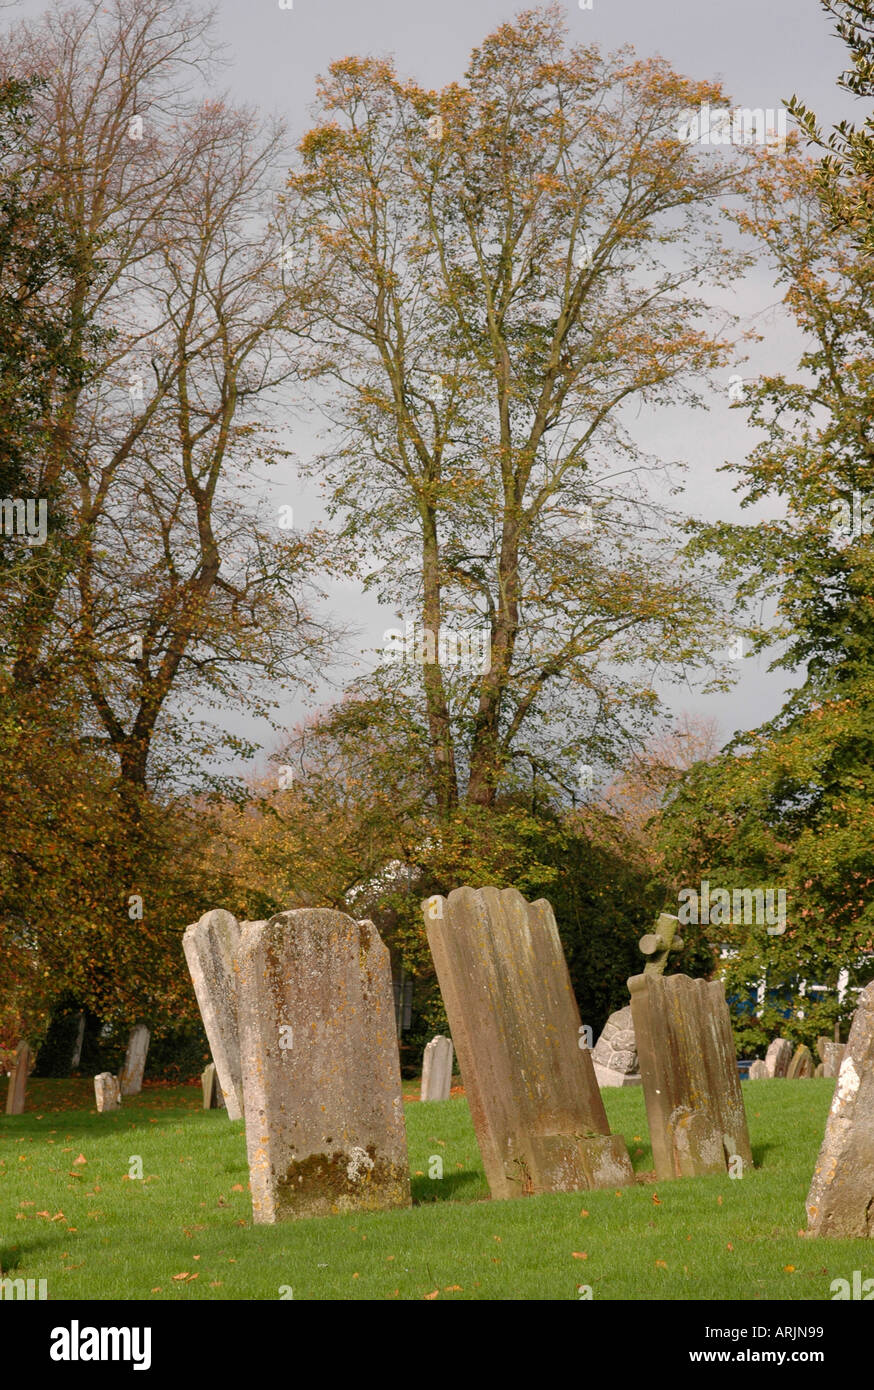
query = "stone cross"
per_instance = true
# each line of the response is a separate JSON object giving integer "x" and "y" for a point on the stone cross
{"x": 538, "y": 1114}
{"x": 658, "y": 944}
{"x": 18, "y": 1080}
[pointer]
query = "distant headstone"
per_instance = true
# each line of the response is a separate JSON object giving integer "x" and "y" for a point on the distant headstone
{"x": 321, "y": 1074}
{"x": 106, "y": 1092}
{"x": 801, "y": 1065}
{"x": 18, "y": 1080}
{"x": 437, "y": 1069}
{"x": 841, "y": 1198}
{"x": 831, "y": 1055}
{"x": 817, "y": 1071}
{"x": 211, "y": 947}
{"x": 130, "y": 1078}
{"x": 758, "y": 1072}
{"x": 778, "y": 1057}
{"x": 212, "y": 1091}
{"x": 530, "y": 1084}
{"x": 614, "y": 1055}
{"x": 688, "y": 1062}
{"x": 76, "y": 1055}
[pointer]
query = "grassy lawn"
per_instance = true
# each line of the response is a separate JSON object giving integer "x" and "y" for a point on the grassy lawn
{"x": 71, "y": 1213}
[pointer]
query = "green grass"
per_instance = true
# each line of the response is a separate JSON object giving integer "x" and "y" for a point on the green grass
{"x": 102, "y": 1234}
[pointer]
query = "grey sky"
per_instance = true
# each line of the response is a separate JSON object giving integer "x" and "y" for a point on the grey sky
{"x": 761, "y": 52}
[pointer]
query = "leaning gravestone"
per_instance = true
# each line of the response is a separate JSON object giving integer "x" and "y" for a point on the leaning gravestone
{"x": 130, "y": 1078}
{"x": 437, "y": 1070}
{"x": 801, "y": 1065}
{"x": 321, "y": 1073}
{"x": 758, "y": 1072}
{"x": 614, "y": 1055}
{"x": 211, "y": 946}
{"x": 106, "y": 1092}
{"x": 18, "y": 1080}
{"x": 841, "y": 1198}
{"x": 694, "y": 1105}
{"x": 778, "y": 1057}
{"x": 534, "y": 1101}
{"x": 212, "y": 1091}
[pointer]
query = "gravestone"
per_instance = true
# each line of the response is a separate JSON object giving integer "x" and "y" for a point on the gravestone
{"x": 530, "y": 1085}
{"x": 614, "y": 1055}
{"x": 130, "y": 1078}
{"x": 778, "y": 1057}
{"x": 758, "y": 1072}
{"x": 831, "y": 1055}
{"x": 18, "y": 1080}
{"x": 212, "y": 1091}
{"x": 437, "y": 1069}
{"x": 76, "y": 1055}
{"x": 211, "y": 947}
{"x": 106, "y": 1092}
{"x": 817, "y": 1071}
{"x": 801, "y": 1065}
{"x": 688, "y": 1062}
{"x": 841, "y": 1198}
{"x": 321, "y": 1073}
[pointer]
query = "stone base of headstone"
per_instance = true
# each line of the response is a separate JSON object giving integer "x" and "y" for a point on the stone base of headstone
{"x": 321, "y": 1072}
{"x": 130, "y": 1078}
{"x": 801, "y": 1066}
{"x": 18, "y": 1080}
{"x": 778, "y": 1057}
{"x": 538, "y": 1114}
{"x": 106, "y": 1092}
{"x": 694, "y": 1105}
{"x": 437, "y": 1069}
{"x": 841, "y": 1198}
{"x": 758, "y": 1072}
{"x": 614, "y": 1055}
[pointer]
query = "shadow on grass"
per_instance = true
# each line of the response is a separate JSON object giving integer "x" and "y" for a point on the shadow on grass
{"x": 452, "y": 1187}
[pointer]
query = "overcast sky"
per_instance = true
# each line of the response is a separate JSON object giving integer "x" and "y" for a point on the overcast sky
{"x": 762, "y": 51}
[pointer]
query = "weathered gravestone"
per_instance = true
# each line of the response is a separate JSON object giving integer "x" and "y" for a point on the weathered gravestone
{"x": 212, "y": 1091}
{"x": 211, "y": 946}
{"x": 841, "y": 1198}
{"x": 106, "y": 1092}
{"x": 18, "y": 1080}
{"x": 801, "y": 1065}
{"x": 831, "y": 1055}
{"x": 694, "y": 1105}
{"x": 758, "y": 1071}
{"x": 817, "y": 1071}
{"x": 614, "y": 1055}
{"x": 130, "y": 1078}
{"x": 321, "y": 1074}
{"x": 437, "y": 1070}
{"x": 778, "y": 1057}
{"x": 535, "y": 1104}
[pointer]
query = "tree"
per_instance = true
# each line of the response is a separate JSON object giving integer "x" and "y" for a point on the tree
{"x": 790, "y": 804}
{"x": 492, "y": 276}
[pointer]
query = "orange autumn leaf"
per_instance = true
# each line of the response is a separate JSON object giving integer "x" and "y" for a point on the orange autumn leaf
{"x": 580, "y": 1254}
{"x": 435, "y": 1294}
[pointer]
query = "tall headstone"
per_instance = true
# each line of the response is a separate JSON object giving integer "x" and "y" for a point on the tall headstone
{"x": 437, "y": 1069}
{"x": 778, "y": 1057}
{"x": 212, "y": 1091}
{"x": 130, "y": 1078}
{"x": 18, "y": 1080}
{"x": 758, "y": 1071}
{"x": 535, "y": 1104}
{"x": 801, "y": 1065}
{"x": 694, "y": 1105}
{"x": 614, "y": 1055}
{"x": 211, "y": 947}
{"x": 321, "y": 1073}
{"x": 841, "y": 1197}
{"x": 106, "y": 1092}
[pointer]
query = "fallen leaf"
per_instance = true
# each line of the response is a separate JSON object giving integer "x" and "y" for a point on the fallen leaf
{"x": 719, "y": 1201}
{"x": 580, "y": 1254}
{"x": 729, "y": 1246}
{"x": 657, "y": 1199}
{"x": 435, "y": 1294}
{"x": 661, "y": 1264}
{"x": 788, "y": 1269}
{"x": 584, "y": 1212}
{"x": 238, "y": 1187}
{"x": 453, "y": 1288}
{"x": 158, "y": 1290}
{"x": 183, "y": 1275}
{"x": 80, "y": 1159}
